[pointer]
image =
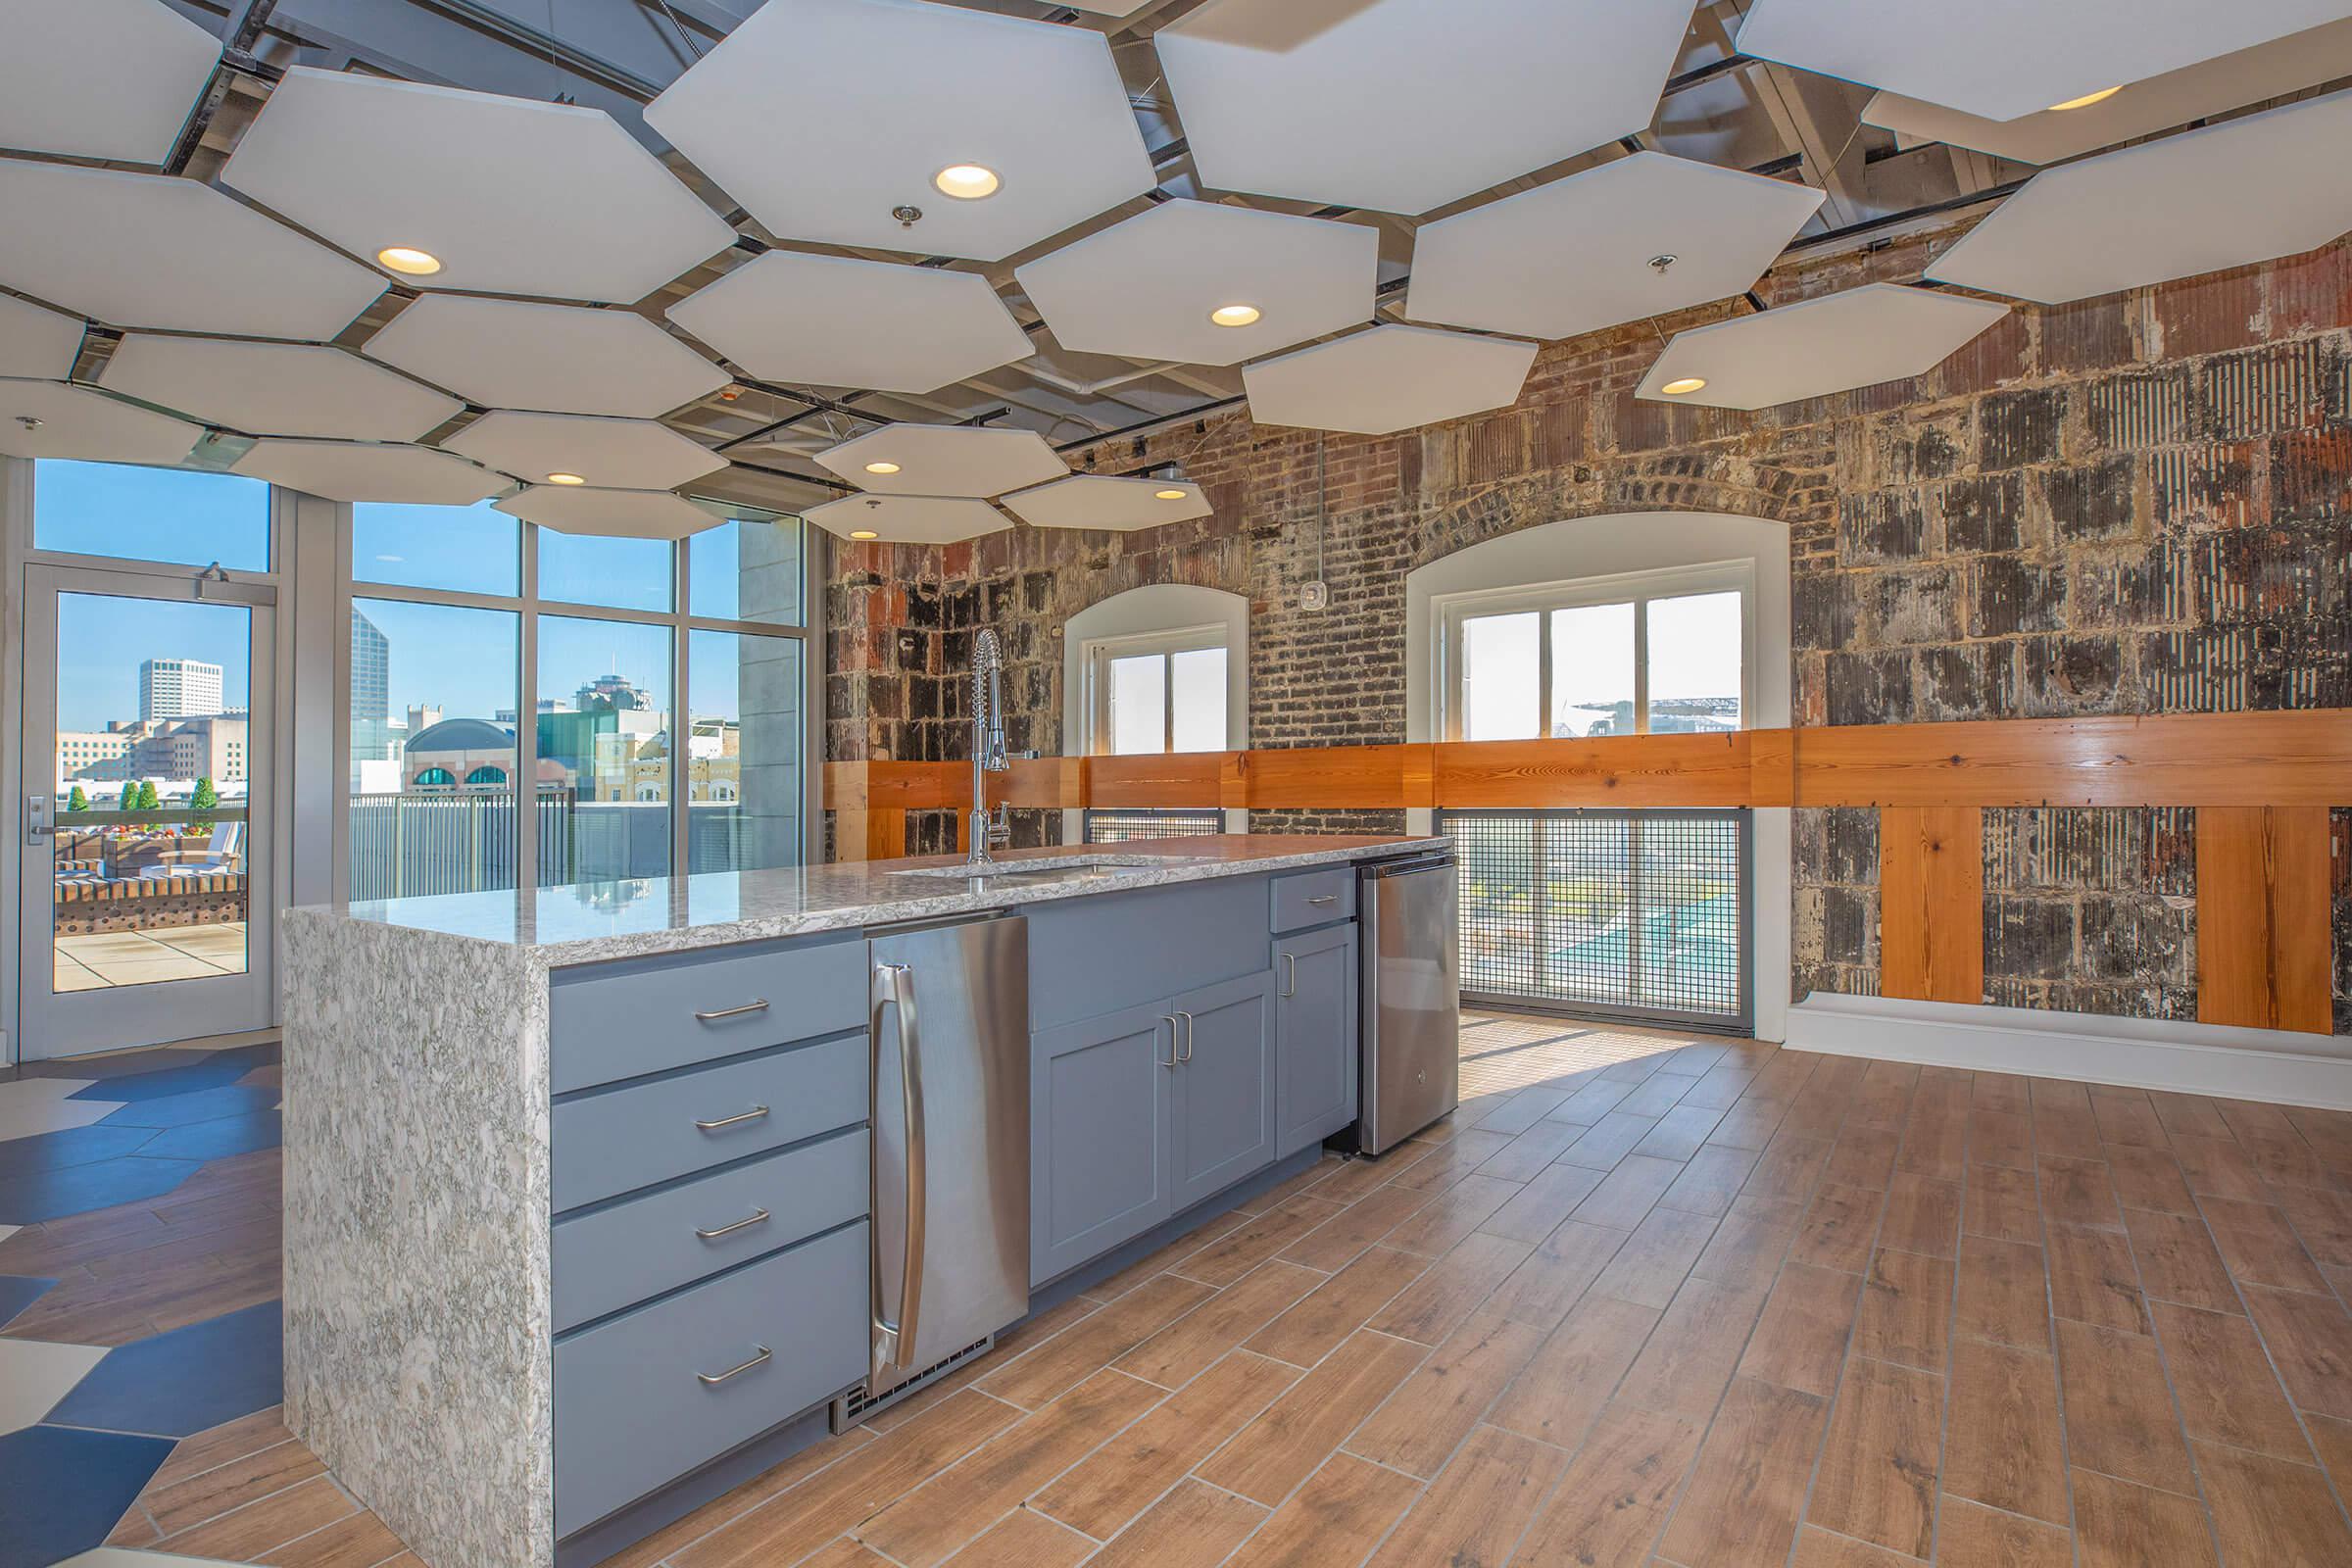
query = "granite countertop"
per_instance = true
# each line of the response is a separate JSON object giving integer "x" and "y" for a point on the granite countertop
{"x": 591, "y": 922}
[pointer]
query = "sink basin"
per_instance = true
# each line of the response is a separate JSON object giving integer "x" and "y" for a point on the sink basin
{"x": 1047, "y": 868}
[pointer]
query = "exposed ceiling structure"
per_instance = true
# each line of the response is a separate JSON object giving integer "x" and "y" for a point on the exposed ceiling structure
{"x": 780, "y": 230}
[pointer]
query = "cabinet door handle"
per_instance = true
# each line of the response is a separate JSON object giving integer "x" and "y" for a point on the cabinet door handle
{"x": 712, "y": 1380}
{"x": 758, "y": 1216}
{"x": 892, "y": 985}
{"x": 1188, "y": 1035}
{"x": 752, "y": 1114}
{"x": 1290, "y": 982}
{"x": 1169, "y": 1019}
{"x": 1325, "y": 898}
{"x": 758, "y": 1006}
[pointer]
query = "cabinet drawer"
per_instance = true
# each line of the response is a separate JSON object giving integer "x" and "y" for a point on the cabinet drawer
{"x": 622, "y": 1020}
{"x": 632, "y": 1411}
{"x": 619, "y": 1255}
{"x": 1312, "y": 898}
{"x": 619, "y": 1140}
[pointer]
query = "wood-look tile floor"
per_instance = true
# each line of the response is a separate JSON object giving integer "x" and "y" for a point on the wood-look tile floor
{"x": 1641, "y": 1300}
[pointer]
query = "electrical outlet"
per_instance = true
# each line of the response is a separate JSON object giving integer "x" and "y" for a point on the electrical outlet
{"x": 1316, "y": 595}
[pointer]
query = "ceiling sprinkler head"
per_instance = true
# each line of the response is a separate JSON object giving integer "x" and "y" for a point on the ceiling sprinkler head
{"x": 907, "y": 215}
{"x": 1662, "y": 261}
{"x": 28, "y": 422}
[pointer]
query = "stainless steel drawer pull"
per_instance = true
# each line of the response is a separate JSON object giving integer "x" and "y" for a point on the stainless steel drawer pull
{"x": 752, "y": 1114}
{"x": 760, "y": 1005}
{"x": 1289, "y": 984}
{"x": 712, "y": 1380}
{"x": 1325, "y": 898}
{"x": 759, "y": 1217}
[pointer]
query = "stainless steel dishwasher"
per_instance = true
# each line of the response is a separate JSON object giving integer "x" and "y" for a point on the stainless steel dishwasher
{"x": 1412, "y": 1011}
{"x": 949, "y": 1032}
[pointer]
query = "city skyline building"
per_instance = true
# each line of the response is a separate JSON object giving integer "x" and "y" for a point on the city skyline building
{"x": 178, "y": 688}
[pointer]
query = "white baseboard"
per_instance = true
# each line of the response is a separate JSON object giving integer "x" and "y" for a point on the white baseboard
{"x": 2197, "y": 1058}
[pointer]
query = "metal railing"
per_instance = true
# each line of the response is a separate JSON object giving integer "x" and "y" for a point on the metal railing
{"x": 1122, "y": 827}
{"x": 409, "y": 845}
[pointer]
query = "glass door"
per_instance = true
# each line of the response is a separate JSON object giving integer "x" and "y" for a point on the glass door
{"x": 146, "y": 897}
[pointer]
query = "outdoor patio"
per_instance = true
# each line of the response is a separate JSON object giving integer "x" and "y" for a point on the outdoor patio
{"x": 105, "y": 959}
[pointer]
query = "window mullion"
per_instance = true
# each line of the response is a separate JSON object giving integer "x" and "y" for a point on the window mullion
{"x": 1543, "y": 673}
{"x": 1641, "y": 666}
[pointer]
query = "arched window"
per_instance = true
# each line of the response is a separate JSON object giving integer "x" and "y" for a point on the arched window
{"x": 722, "y": 791}
{"x": 1158, "y": 668}
{"x": 435, "y": 779}
{"x": 487, "y": 775}
{"x": 649, "y": 792}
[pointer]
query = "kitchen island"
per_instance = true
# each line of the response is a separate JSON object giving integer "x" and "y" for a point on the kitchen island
{"x": 523, "y": 1323}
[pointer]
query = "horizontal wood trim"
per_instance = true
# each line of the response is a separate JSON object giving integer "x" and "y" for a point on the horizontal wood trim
{"x": 1625, "y": 770}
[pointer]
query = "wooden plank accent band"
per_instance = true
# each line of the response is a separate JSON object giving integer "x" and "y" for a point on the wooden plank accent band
{"x": 2263, "y": 918}
{"x": 1931, "y": 903}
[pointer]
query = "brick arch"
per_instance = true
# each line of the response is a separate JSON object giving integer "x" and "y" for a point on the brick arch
{"x": 1723, "y": 483}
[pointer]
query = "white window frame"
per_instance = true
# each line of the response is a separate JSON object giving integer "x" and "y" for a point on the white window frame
{"x": 1096, "y": 656}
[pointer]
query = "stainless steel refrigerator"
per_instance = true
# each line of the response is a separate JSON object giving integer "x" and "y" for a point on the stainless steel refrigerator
{"x": 1412, "y": 1019}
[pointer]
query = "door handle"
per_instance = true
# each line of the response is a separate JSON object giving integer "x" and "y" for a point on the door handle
{"x": 752, "y": 1114}
{"x": 894, "y": 986}
{"x": 1169, "y": 1019}
{"x": 712, "y": 1380}
{"x": 758, "y": 1216}
{"x": 1188, "y": 1036}
{"x": 1290, "y": 981}
{"x": 36, "y": 820}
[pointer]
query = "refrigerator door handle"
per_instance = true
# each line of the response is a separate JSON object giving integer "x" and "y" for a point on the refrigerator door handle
{"x": 894, "y": 984}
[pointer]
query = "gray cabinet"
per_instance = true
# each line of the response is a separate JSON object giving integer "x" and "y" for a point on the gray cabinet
{"x": 1221, "y": 1123}
{"x": 1315, "y": 1056}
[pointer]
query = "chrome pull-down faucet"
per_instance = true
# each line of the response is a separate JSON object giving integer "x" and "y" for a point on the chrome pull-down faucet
{"x": 988, "y": 748}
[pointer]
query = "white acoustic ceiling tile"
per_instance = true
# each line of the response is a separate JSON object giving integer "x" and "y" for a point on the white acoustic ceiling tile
{"x": 829, "y": 320}
{"x": 37, "y": 344}
{"x": 146, "y": 250}
{"x": 510, "y": 195}
{"x": 609, "y": 454}
{"x": 1110, "y": 8}
{"x": 2178, "y": 97}
{"x": 1857, "y": 338}
{"x": 105, "y": 80}
{"x": 1101, "y": 501}
{"x": 2228, "y": 195}
{"x": 1406, "y": 105}
{"x": 1585, "y": 252}
{"x": 909, "y": 519}
{"x": 561, "y": 358}
{"x": 945, "y": 460}
{"x": 1390, "y": 378}
{"x": 350, "y": 470}
{"x": 1146, "y": 287}
{"x": 2006, "y": 58}
{"x": 625, "y": 514}
{"x": 50, "y": 419}
{"x": 782, "y": 116}
{"x": 297, "y": 389}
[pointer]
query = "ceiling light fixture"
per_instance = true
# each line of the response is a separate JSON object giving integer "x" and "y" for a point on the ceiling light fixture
{"x": 1169, "y": 495}
{"x": 2087, "y": 100}
{"x": 1688, "y": 384}
{"x": 565, "y": 478}
{"x": 968, "y": 183}
{"x": 881, "y": 468}
{"x": 863, "y": 533}
{"x": 409, "y": 259}
{"x": 1235, "y": 315}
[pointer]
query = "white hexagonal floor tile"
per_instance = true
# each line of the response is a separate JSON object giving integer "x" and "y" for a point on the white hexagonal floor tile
{"x": 36, "y": 344}
{"x": 1103, "y": 501}
{"x": 909, "y": 519}
{"x": 510, "y": 195}
{"x": 623, "y": 513}
{"x": 609, "y": 454}
{"x": 830, "y": 321}
{"x": 1390, "y": 378}
{"x": 1146, "y": 287}
{"x": 296, "y": 389}
{"x": 945, "y": 460}
{"x": 2228, "y": 195}
{"x": 1040, "y": 106}
{"x": 1404, "y": 105}
{"x": 2019, "y": 56}
{"x": 146, "y": 250}
{"x": 1857, "y": 338}
{"x": 351, "y": 471}
{"x": 558, "y": 359}
{"x": 1582, "y": 253}
{"x": 154, "y": 61}
{"x": 50, "y": 419}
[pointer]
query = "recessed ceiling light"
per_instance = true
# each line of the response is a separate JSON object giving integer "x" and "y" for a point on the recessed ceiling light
{"x": 2087, "y": 100}
{"x": 409, "y": 260}
{"x": 1234, "y": 315}
{"x": 565, "y": 478}
{"x": 881, "y": 468}
{"x": 1168, "y": 495}
{"x": 863, "y": 533}
{"x": 1688, "y": 384}
{"x": 967, "y": 181}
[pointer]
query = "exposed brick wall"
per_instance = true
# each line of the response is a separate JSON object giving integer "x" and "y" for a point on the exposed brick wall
{"x": 2137, "y": 504}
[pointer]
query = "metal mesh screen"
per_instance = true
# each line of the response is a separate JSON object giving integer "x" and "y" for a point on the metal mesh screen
{"x": 1632, "y": 914}
{"x": 1119, "y": 827}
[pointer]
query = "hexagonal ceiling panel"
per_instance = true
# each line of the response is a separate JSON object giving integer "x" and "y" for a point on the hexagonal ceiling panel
{"x": 1040, "y": 107}
{"x": 294, "y": 389}
{"x": 609, "y": 454}
{"x": 559, "y": 359}
{"x": 154, "y": 61}
{"x": 945, "y": 460}
{"x": 2012, "y": 57}
{"x": 828, "y": 320}
{"x": 1390, "y": 378}
{"x": 2242, "y": 191}
{"x": 1146, "y": 287}
{"x": 1406, "y": 105}
{"x": 909, "y": 519}
{"x": 1581, "y": 253}
{"x": 49, "y": 420}
{"x": 1101, "y": 501}
{"x": 37, "y": 344}
{"x": 2177, "y": 98}
{"x": 350, "y": 470}
{"x": 510, "y": 195}
{"x": 625, "y": 514}
{"x": 1857, "y": 338}
{"x": 145, "y": 250}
